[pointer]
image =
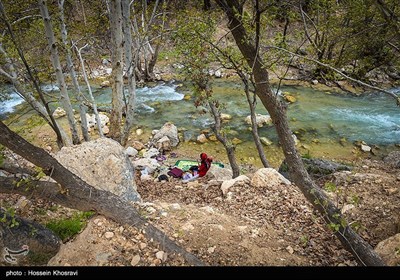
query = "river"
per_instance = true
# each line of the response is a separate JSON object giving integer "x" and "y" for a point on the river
{"x": 321, "y": 120}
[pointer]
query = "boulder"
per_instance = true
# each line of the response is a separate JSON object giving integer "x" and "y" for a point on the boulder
{"x": 59, "y": 112}
{"x": 225, "y": 117}
{"x": 218, "y": 173}
{"x": 260, "y": 120}
{"x": 389, "y": 250}
{"x": 105, "y": 83}
{"x": 152, "y": 152}
{"x": 168, "y": 130}
{"x": 103, "y": 164}
{"x": 150, "y": 163}
{"x": 268, "y": 177}
{"x": 265, "y": 141}
{"x": 365, "y": 148}
{"x": 202, "y": 138}
{"x": 91, "y": 120}
{"x": 131, "y": 152}
{"x": 138, "y": 145}
{"x": 164, "y": 144}
{"x": 240, "y": 180}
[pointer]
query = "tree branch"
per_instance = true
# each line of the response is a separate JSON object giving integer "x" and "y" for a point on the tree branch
{"x": 395, "y": 96}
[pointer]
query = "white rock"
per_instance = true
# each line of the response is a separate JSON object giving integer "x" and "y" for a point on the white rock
{"x": 211, "y": 250}
{"x": 202, "y": 138}
{"x": 109, "y": 235}
{"x": 175, "y": 207}
{"x": 241, "y": 180}
{"x": 146, "y": 177}
{"x": 268, "y": 177}
{"x": 290, "y": 249}
{"x": 187, "y": 227}
{"x": 105, "y": 130}
{"x": 164, "y": 144}
{"x": 218, "y": 74}
{"x": 225, "y": 117}
{"x": 161, "y": 255}
{"x": 208, "y": 209}
{"x": 365, "y": 148}
{"x": 105, "y": 83}
{"x": 150, "y": 163}
{"x": 219, "y": 174}
{"x": 59, "y": 112}
{"x": 131, "y": 152}
{"x": 103, "y": 164}
{"x": 135, "y": 260}
{"x": 152, "y": 152}
{"x": 139, "y": 132}
{"x": 260, "y": 120}
{"x": 265, "y": 141}
{"x": 169, "y": 130}
{"x": 151, "y": 210}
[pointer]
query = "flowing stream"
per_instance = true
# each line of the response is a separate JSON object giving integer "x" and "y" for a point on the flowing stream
{"x": 321, "y": 120}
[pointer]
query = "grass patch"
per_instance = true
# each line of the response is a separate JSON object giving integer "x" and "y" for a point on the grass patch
{"x": 68, "y": 228}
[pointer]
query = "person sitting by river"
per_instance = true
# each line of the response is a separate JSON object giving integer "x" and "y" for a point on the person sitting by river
{"x": 203, "y": 167}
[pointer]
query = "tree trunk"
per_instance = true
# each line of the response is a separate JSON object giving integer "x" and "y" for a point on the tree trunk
{"x": 62, "y": 138}
{"x": 72, "y": 73}
{"x": 254, "y": 128}
{"x": 360, "y": 249}
{"x": 93, "y": 102}
{"x": 71, "y": 191}
{"x": 23, "y": 241}
{"x": 55, "y": 60}
{"x": 230, "y": 149}
{"x": 130, "y": 63}
{"x": 117, "y": 64}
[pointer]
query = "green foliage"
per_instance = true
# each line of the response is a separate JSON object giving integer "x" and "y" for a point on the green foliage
{"x": 330, "y": 187}
{"x": 67, "y": 228}
{"x": 304, "y": 240}
{"x": 356, "y": 226}
{"x": 307, "y": 155}
{"x": 355, "y": 200}
{"x": 11, "y": 221}
{"x": 334, "y": 227}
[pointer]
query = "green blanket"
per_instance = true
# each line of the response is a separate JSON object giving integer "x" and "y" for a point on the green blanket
{"x": 186, "y": 164}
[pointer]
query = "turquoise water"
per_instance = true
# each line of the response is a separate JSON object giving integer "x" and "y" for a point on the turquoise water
{"x": 315, "y": 116}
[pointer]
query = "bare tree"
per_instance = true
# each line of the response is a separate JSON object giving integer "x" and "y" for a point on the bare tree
{"x": 117, "y": 66}
{"x": 72, "y": 73}
{"x": 93, "y": 102}
{"x": 10, "y": 73}
{"x": 55, "y": 60}
{"x": 362, "y": 251}
{"x": 130, "y": 62}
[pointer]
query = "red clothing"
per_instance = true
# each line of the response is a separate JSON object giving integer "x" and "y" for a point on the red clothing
{"x": 204, "y": 166}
